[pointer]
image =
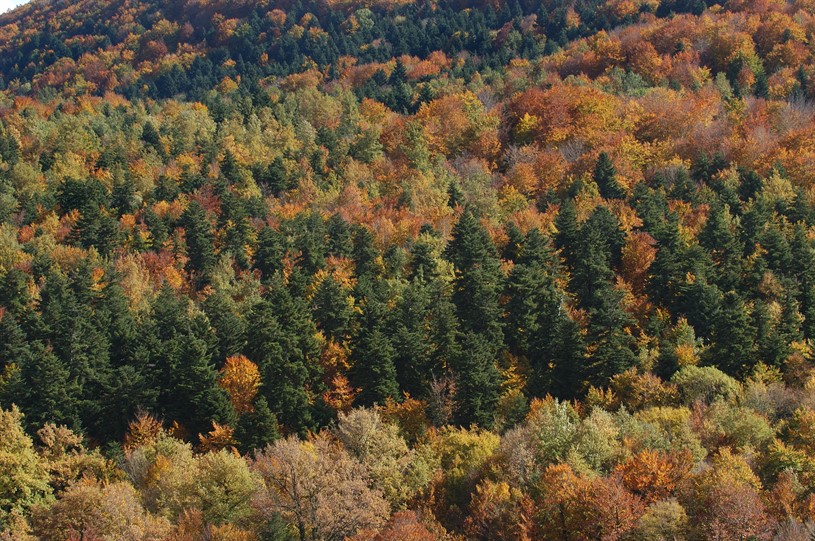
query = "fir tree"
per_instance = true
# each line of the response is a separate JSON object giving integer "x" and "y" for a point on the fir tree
{"x": 732, "y": 343}
{"x": 477, "y": 381}
{"x": 200, "y": 244}
{"x": 605, "y": 175}
{"x": 332, "y": 311}
{"x": 270, "y": 252}
{"x": 45, "y": 390}
{"x": 478, "y": 279}
{"x": 256, "y": 429}
{"x": 283, "y": 369}
{"x": 538, "y": 326}
{"x": 568, "y": 232}
{"x": 374, "y": 371}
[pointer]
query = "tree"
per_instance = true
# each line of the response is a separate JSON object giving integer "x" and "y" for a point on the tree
{"x": 224, "y": 487}
{"x": 605, "y": 175}
{"x": 803, "y": 266}
{"x": 478, "y": 279}
{"x": 732, "y": 347}
{"x": 398, "y": 471}
{"x": 273, "y": 347}
{"x": 568, "y": 231}
{"x": 270, "y": 252}
{"x": 90, "y": 510}
{"x": 374, "y": 371}
{"x": 655, "y": 476}
{"x": 726, "y": 251}
{"x": 726, "y": 503}
{"x": 402, "y": 526}
{"x": 240, "y": 378}
{"x": 478, "y": 381}
{"x": 411, "y": 338}
{"x": 476, "y": 290}
{"x": 340, "y": 237}
{"x": 24, "y": 474}
{"x": 229, "y": 328}
{"x": 45, "y": 390}
{"x": 180, "y": 365}
{"x": 498, "y": 512}
{"x": 538, "y": 325}
{"x": 608, "y": 333}
{"x": 332, "y": 310}
{"x": 318, "y": 488}
{"x": 257, "y": 428}
{"x": 200, "y": 244}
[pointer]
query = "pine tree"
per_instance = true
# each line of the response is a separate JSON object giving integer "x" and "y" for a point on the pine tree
{"x": 732, "y": 345}
{"x": 200, "y": 243}
{"x": 477, "y": 381}
{"x": 605, "y": 175}
{"x": 270, "y": 252}
{"x": 478, "y": 279}
{"x": 374, "y": 371}
{"x": 538, "y": 326}
{"x": 256, "y": 429}
{"x": 332, "y": 312}
{"x": 568, "y": 232}
{"x": 283, "y": 368}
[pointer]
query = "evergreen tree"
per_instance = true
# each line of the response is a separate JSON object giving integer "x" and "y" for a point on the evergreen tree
{"x": 332, "y": 312}
{"x": 605, "y": 175}
{"x": 256, "y": 429}
{"x": 180, "y": 360}
{"x": 365, "y": 254}
{"x": 45, "y": 390}
{"x": 374, "y": 371}
{"x": 283, "y": 369}
{"x": 229, "y": 328}
{"x": 477, "y": 381}
{"x": 803, "y": 267}
{"x": 568, "y": 232}
{"x": 726, "y": 251}
{"x": 538, "y": 326}
{"x": 309, "y": 235}
{"x": 478, "y": 280}
{"x": 270, "y": 252}
{"x": 340, "y": 238}
{"x": 411, "y": 341}
{"x": 13, "y": 342}
{"x": 156, "y": 227}
{"x": 423, "y": 263}
{"x": 612, "y": 346}
{"x": 200, "y": 244}
{"x": 732, "y": 344}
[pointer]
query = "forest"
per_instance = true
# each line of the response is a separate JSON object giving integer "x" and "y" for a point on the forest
{"x": 329, "y": 270}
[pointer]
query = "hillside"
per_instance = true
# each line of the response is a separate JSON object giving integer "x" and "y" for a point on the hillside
{"x": 326, "y": 270}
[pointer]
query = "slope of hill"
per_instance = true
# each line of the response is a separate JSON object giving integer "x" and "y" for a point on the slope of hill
{"x": 527, "y": 270}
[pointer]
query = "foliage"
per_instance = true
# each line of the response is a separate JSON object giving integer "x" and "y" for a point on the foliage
{"x": 558, "y": 255}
